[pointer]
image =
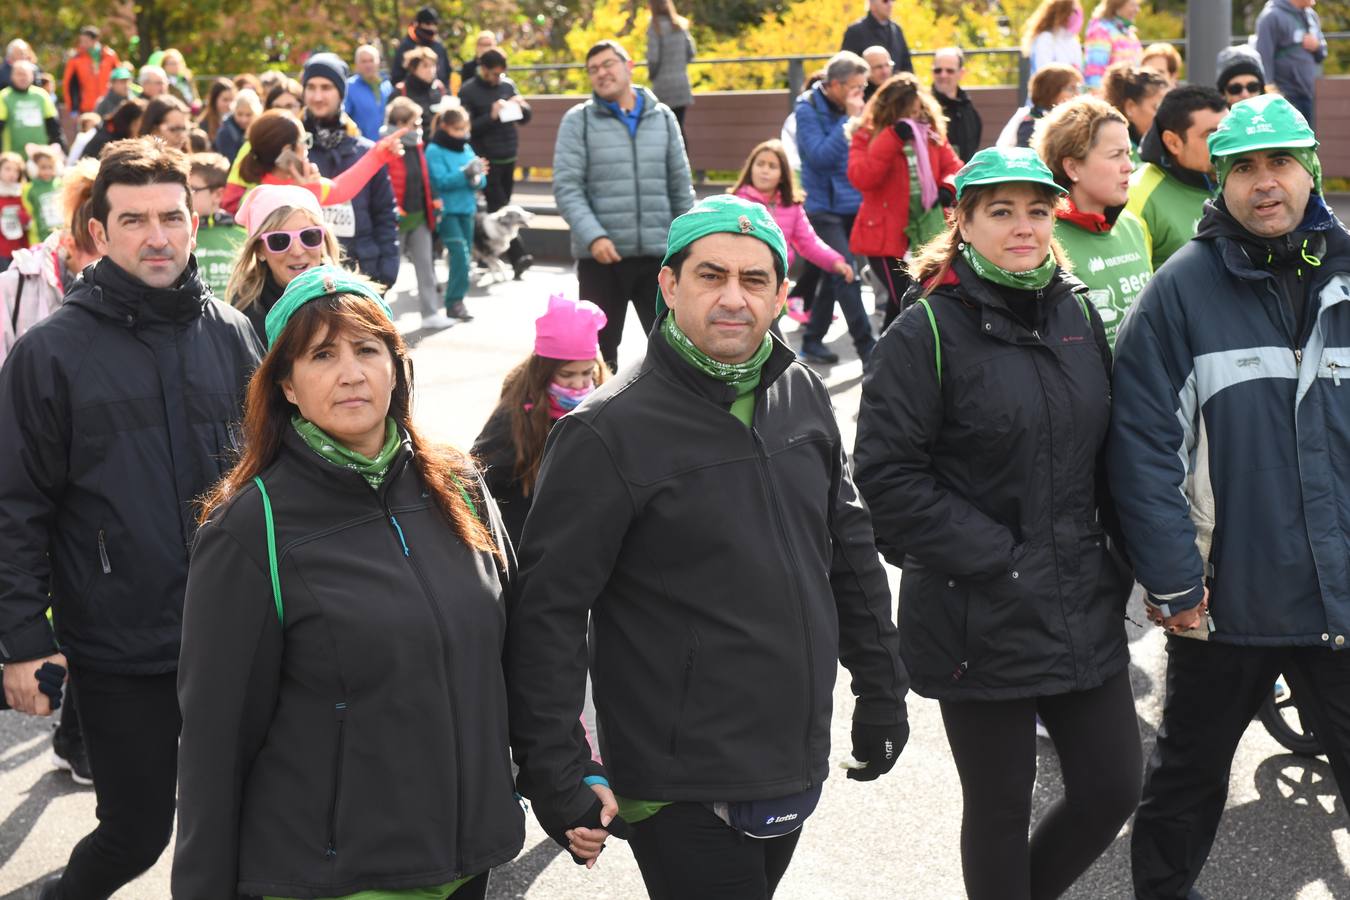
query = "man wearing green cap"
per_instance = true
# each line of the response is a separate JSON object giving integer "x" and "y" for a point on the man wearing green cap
{"x": 1226, "y": 464}
{"x": 700, "y": 513}
{"x": 120, "y": 90}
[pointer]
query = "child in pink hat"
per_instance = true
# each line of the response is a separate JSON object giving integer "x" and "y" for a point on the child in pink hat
{"x": 563, "y": 370}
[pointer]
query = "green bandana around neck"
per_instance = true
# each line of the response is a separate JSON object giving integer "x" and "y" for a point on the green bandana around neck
{"x": 1030, "y": 280}
{"x": 372, "y": 470}
{"x": 1306, "y": 156}
{"x": 743, "y": 376}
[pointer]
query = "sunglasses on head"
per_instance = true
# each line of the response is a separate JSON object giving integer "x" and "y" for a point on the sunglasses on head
{"x": 310, "y": 238}
{"x": 1233, "y": 88}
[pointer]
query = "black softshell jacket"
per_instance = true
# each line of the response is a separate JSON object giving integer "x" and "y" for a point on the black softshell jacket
{"x": 359, "y": 741}
{"x": 986, "y": 487}
{"x": 116, "y": 413}
{"x": 726, "y": 570}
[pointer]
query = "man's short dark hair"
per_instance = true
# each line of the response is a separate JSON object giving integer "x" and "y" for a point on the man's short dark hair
{"x": 608, "y": 45}
{"x": 138, "y": 161}
{"x": 492, "y": 59}
{"x": 90, "y": 32}
{"x": 1175, "y": 113}
{"x": 677, "y": 260}
{"x": 427, "y": 15}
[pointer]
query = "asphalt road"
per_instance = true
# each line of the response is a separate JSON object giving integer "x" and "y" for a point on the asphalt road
{"x": 1284, "y": 834}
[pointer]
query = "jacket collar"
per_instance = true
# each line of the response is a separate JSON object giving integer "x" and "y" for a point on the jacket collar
{"x": 109, "y": 291}
{"x": 1243, "y": 252}
{"x": 662, "y": 357}
{"x": 334, "y": 477}
{"x": 996, "y": 318}
{"x": 1152, "y": 150}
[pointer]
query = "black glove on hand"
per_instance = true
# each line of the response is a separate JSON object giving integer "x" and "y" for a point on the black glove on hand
{"x": 946, "y": 197}
{"x": 903, "y": 129}
{"x": 617, "y": 827}
{"x": 50, "y": 678}
{"x": 879, "y": 746}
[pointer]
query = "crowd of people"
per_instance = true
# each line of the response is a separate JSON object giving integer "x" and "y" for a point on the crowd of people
{"x": 341, "y": 655}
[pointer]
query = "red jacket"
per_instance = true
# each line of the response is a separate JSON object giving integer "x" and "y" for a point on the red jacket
{"x": 398, "y": 176}
{"x": 878, "y": 169}
{"x": 82, "y": 87}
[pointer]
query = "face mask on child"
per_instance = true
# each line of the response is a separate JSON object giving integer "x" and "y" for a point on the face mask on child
{"x": 567, "y": 399}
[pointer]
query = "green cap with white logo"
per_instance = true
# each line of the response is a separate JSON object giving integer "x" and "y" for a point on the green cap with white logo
{"x": 1266, "y": 122}
{"x": 996, "y": 165}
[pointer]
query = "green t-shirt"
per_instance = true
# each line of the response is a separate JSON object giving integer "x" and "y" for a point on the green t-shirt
{"x": 1113, "y": 264}
{"x": 25, "y": 114}
{"x": 1169, "y": 209}
{"x": 217, "y": 248}
{"x": 438, "y": 892}
{"x": 43, "y": 199}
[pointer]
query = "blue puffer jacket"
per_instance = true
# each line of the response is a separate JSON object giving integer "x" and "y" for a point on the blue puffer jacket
{"x": 627, "y": 187}
{"x": 1229, "y": 451}
{"x": 368, "y": 231}
{"x": 445, "y": 168}
{"x": 824, "y": 151}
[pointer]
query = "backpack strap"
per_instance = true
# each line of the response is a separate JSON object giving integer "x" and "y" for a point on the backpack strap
{"x": 937, "y": 341}
{"x": 271, "y": 549}
{"x": 1083, "y": 305}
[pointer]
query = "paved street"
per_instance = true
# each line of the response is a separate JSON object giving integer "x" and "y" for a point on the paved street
{"x": 1284, "y": 835}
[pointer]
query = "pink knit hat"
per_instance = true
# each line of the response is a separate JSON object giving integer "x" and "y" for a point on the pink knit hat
{"x": 266, "y": 199}
{"x": 569, "y": 330}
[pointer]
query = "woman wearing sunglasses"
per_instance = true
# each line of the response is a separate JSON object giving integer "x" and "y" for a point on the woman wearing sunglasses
{"x": 278, "y": 153}
{"x": 286, "y": 236}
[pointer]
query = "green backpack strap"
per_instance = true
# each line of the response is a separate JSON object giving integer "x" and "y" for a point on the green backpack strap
{"x": 1083, "y": 304}
{"x": 271, "y": 549}
{"x": 937, "y": 341}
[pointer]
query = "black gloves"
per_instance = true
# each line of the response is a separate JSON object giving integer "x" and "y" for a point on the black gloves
{"x": 904, "y": 131}
{"x": 946, "y": 197}
{"x": 50, "y": 677}
{"x": 879, "y": 746}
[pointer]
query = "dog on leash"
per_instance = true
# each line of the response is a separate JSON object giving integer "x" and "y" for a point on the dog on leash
{"x": 493, "y": 233}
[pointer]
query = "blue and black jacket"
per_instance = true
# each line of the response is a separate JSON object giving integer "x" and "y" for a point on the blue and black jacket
{"x": 1229, "y": 452}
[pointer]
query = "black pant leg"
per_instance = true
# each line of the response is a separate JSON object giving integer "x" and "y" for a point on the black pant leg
{"x": 807, "y": 285}
{"x": 1096, "y": 735}
{"x": 639, "y": 275}
{"x": 131, "y": 726}
{"x": 1320, "y": 679}
{"x": 1213, "y": 690}
{"x": 893, "y": 274}
{"x": 600, "y": 284}
{"x": 994, "y": 746}
{"x": 686, "y": 852}
{"x": 497, "y": 186}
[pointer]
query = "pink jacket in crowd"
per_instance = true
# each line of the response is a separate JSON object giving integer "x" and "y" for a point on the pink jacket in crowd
{"x": 801, "y": 237}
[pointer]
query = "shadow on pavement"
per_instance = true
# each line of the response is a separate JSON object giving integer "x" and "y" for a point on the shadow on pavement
{"x": 515, "y": 878}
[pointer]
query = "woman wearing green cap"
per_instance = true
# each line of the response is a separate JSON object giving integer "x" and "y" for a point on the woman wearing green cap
{"x": 344, "y": 709}
{"x": 978, "y": 452}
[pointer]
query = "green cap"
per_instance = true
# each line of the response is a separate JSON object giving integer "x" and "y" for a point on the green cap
{"x": 724, "y": 214}
{"x": 996, "y": 165}
{"x": 315, "y": 284}
{"x": 1266, "y": 122}
{"x": 119, "y": 73}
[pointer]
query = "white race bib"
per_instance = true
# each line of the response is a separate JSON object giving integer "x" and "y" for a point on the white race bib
{"x": 30, "y": 115}
{"x": 49, "y": 208}
{"x": 341, "y": 220}
{"x": 11, "y": 226}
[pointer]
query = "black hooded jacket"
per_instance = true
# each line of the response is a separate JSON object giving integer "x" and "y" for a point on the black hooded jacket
{"x": 116, "y": 413}
{"x": 980, "y": 459}
{"x": 1152, "y": 150}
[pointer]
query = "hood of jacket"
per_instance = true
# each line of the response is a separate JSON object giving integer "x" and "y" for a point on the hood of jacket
{"x": 1152, "y": 150}
{"x": 1251, "y": 257}
{"x": 109, "y": 291}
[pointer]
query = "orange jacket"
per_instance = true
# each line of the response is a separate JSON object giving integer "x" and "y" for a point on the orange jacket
{"x": 82, "y": 86}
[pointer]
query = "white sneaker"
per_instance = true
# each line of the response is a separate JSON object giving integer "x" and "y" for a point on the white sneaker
{"x": 436, "y": 322}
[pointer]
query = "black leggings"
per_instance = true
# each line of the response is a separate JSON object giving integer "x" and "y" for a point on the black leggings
{"x": 685, "y": 852}
{"x": 1096, "y": 735}
{"x": 893, "y": 273}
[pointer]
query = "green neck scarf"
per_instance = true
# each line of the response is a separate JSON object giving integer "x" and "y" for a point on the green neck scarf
{"x": 372, "y": 470}
{"x": 1031, "y": 280}
{"x": 744, "y": 376}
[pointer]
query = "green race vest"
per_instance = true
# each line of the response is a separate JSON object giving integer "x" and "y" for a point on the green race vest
{"x": 1113, "y": 264}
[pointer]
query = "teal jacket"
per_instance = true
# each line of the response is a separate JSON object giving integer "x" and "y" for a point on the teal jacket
{"x": 445, "y": 167}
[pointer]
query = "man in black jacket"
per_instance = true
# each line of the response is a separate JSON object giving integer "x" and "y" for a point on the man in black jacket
{"x": 700, "y": 512}
{"x": 876, "y": 29}
{"x": 963, "y": 119}
{"x": 495, "y": 108}
{"x": 116, "y": 413}
{"x": 423, "y": 32}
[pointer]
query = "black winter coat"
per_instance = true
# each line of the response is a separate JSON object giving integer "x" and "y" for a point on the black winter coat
{"x": 964, "y": 127}
{"x": 491, "y": 139}
{"x": 725, "y": 570}
{"x": 987, "y": 486}
{"x": 116, "y": 413}
{"x": 362, "y": 744}
{"x": 496, "y": 453}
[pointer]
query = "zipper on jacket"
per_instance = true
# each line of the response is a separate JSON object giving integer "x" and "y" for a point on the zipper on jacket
{"x": 1335, "y": 373}
{"x": 340, "y": 713}
{"x": 762, "y": 457}
{"x": 430, "y": 598}
{"x": 684, "y": 692}
{"x": 637, "y": 184}
{"x": 103, "y": 554}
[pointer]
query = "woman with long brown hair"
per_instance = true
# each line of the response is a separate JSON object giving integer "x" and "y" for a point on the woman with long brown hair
{"x": 670, "y": 50}
{"x": 979, "y": 453}
{"x": 1050, "y": 35}
{"x": 219, "y": 104}
{"x": 564, "y": 369}
{"x": 342, "y": 635}
{"x": 902, "y": 164}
